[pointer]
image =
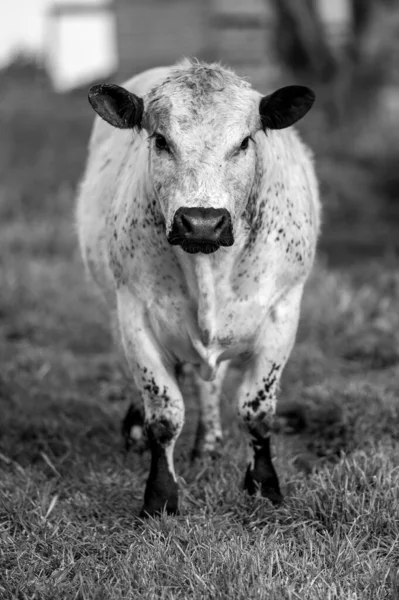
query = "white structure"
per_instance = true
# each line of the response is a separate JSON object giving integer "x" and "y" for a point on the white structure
{"x": 75, "y": 38}
{"x": 80, "y": 42}
{"x": 22, "y": 24}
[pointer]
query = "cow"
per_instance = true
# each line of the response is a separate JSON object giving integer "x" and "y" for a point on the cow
{"x": 198, "y": 217}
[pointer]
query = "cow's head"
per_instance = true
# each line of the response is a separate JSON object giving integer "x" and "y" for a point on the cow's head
{"x": 201, "y": 122}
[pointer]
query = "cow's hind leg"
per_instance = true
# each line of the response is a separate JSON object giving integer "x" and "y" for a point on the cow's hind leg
{"x": 257, "y": 395}
{"x": 163, "y": 403}
{"x": 209, "y": 430}
{"x": 133, "y": 430}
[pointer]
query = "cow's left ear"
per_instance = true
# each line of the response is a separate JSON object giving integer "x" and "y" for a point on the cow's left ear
{"x": 117, "y": 106}
{"x": 286, "y": 106}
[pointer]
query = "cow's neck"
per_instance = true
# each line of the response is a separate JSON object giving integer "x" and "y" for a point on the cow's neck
{"x": 201, "y": 280}
{"x": 206, "y": 312}
{"x": 200, "y": 276}
{"x": 208, "y": 279}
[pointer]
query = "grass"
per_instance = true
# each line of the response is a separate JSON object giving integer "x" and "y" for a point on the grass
{"x": 70, "y": 496}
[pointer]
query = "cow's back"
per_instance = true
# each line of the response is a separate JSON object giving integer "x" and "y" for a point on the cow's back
{"x": 108, "y": 148}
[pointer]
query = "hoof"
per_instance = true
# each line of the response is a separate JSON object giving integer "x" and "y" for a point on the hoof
{"x": 290, "y": 419}
{"x": 147, "y": 512}
{"x": 200, "y": 453}
{"x": 207, "y": 449}
{"x": 262, "y": 477}
{"x": 267, "y": 484}
{"x": 157, "y": 502}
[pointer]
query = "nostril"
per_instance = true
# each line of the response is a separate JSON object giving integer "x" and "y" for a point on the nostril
{"x": 186, "y": 223}
{"x": 220, "y": 223}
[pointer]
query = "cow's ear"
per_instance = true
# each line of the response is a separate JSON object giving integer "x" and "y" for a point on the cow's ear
{"x": 117, "y": 106}
{"x": 286, "y": 106}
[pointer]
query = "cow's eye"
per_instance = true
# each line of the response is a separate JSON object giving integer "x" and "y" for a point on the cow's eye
{"x": 161, "y": 143}
{"x": 245, "y": 142}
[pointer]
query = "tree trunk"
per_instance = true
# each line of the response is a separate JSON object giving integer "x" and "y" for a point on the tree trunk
{"x": 300, "y": 39}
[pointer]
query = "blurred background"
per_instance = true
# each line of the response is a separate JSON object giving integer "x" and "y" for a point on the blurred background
{"x": 348, "y": 50}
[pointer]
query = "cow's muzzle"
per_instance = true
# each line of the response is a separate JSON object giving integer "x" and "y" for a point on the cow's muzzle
{"x": 201, "y": 229}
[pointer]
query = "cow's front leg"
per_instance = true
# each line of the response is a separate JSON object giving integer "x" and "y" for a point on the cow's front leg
{"x": 163, "y": 403}
{"x": 257, "y": 395}
{"x": 209, "y": 429}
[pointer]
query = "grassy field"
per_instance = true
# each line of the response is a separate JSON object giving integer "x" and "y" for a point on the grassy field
{"x": 70, "y": 496}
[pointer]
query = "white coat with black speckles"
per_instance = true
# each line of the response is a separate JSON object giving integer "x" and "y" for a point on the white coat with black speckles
{"x": 173, "y": 148}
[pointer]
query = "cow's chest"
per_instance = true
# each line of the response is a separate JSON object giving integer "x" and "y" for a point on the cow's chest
{"x": 209, "y": 324}
{"x": 205, "y": 309}
{"x": 192, "y": 335}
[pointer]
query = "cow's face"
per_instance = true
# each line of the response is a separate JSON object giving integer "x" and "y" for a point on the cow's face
{"x": 201, "y": 124}
{"x": 202, "y": 163}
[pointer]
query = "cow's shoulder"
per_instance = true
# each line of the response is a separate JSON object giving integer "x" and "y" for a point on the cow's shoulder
{"x": 288, "y": 175}
{"x": 283, "y": 212}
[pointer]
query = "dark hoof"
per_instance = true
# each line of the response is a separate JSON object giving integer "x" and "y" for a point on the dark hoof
{"x": 149, "y": 512}
{"x": 266, "y": 483}
{"x": 207, "y": 454}
{"x": 157, "y": 502}
{"x": 290, "y": 419}
{"x": 133, "y": 430}
{"x": 200, "y": 450}
{"x": 263, "y": 477}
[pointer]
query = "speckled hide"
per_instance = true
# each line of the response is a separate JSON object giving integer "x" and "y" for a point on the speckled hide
{"x": 187, "y": 136}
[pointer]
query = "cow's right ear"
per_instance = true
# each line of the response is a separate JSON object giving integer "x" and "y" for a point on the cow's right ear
{"x": 117, "y": 106}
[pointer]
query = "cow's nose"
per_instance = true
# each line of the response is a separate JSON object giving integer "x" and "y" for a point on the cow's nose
{"x": 202, "y": 226}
